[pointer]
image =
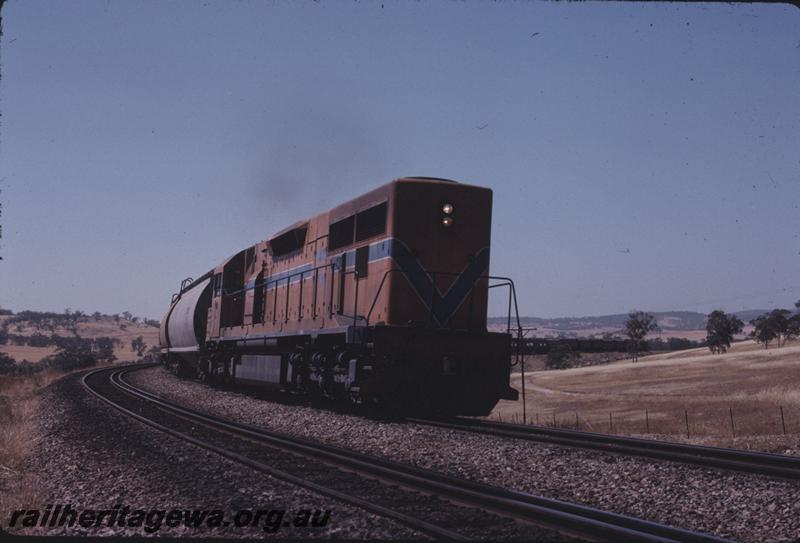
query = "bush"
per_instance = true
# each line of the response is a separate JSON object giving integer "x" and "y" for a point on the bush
{"x": 68, "y": 360}
{"x": 103, "y": 348}
{"x": 39, "y": 340}
{"x": 71, "y": 343}
{"x": 7, "y": 364}
{"x": 561, "y": 356}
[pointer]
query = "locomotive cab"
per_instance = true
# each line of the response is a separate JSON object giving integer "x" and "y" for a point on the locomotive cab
{"x": 435, "y": 334}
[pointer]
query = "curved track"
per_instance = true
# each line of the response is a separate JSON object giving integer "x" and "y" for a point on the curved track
{"x": 427, "y": 491}
{"x": 776, "y": 465}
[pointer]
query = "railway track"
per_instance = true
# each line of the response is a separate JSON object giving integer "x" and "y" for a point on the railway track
{"x": 775, "y": 465}
{"x": 432, "y": 503}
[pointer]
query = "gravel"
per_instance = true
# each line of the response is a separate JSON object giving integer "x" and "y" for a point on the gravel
{"x": 738, "y": 506}
{"x": 91, "y": 457}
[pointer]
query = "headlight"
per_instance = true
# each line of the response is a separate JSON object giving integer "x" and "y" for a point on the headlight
{"x": 447, "y": 209}
{"x": 447, "y": 221}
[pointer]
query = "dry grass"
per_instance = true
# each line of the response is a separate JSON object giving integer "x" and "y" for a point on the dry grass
{"x": 749, "y": 381}
{"x": 19, "y": 398}
{"x": 19, "y": 402}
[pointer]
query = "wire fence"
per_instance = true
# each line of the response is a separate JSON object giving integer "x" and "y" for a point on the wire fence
{"x": 730, "y": 421}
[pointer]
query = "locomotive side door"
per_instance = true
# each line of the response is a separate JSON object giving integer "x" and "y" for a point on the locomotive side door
{"x": 341, "y": 271}
{"x": 213, "y": 321}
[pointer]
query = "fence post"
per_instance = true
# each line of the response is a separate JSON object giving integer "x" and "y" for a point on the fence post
{"x": 537, "y": 418}
{"x": 610, "y": 423}
{"x": 577, "y": 422}
{"x": 733, "y": 428}
{"x": 686, "y": 416}
{"x": 783, "y": 421}
{"x": 646, "y": 422}
{"x": 554, "y": 419}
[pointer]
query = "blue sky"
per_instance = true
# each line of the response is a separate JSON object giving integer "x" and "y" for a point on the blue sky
{"x": 641, "y": 155}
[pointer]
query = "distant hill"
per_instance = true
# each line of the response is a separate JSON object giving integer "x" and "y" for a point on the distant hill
{"x": 670, "y": 322}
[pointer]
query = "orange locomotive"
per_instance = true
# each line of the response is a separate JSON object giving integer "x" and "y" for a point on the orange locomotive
{"x": 381, "y": 300}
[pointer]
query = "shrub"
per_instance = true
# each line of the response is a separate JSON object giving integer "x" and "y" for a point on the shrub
{"x": 561, "y": 356}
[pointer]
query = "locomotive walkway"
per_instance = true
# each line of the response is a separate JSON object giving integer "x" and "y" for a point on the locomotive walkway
{"x": 775, "y": 465}
{"x": 435, "y": 504}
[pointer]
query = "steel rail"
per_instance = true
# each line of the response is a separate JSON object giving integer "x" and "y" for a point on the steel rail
{"x": 776, "y": 465}
{"x": 572, "y": 518}
{"x": 415, "y": 523}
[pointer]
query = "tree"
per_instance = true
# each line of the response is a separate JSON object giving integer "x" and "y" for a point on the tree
{"x": 793, "y": 330}
{"x": 793, "y": 324}
{"x": 763, "y": 332}
{"x": 127, "y": 315}
{"x": 778, "y": 324}
{"x": 139, "y": 346}
{"x": 782, "y": 322}
{"x": 103, "y": 349}
{"x": 561, "y": 356}
{"x": 720, "y": 330}
{"x": 638, "y": 325}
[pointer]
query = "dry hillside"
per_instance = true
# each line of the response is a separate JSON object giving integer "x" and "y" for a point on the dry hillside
{"x": 85, "y": 326}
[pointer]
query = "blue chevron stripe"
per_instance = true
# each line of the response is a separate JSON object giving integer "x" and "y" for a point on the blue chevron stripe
{"x": 444, "y": 305}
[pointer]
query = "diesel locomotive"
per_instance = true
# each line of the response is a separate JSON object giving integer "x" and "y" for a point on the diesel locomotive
{"x": 381, "y": 301}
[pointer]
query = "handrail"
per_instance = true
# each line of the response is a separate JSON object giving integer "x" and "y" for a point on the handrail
{"x": 187, "y": 281}
{"x": 274, "y": 284}
{"x": 226, "y": 292}
{"x": 269, "y": 283}
{"x": 512, "y": 298}
{"x": 506, "y": 281}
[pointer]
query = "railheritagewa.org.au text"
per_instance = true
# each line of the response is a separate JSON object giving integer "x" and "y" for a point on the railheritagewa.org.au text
{"x": 152, "y": 520}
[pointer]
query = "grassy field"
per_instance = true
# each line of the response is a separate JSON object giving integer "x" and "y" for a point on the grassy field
{"x": 656, "y": 394}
